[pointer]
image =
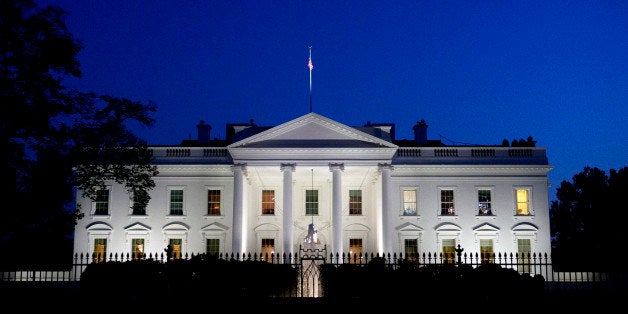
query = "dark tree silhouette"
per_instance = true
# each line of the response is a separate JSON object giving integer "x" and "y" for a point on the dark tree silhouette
{"x": 587, "y": 220}
{"x": 53, "y": 138}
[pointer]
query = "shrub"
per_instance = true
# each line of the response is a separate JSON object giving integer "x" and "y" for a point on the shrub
{"x": 199, "y": 276}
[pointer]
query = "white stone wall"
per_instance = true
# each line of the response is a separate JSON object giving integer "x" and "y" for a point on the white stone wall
{"x": 120, "y": 226}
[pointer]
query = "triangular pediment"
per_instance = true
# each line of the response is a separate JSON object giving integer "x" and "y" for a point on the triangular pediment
{"x": 312, "y": 137}
{"x": 312, "y": 131}
{"x": 137, "y": 227}
{"x": 409, "y": 227}
{"x": 216, "y": 226}
{"x": 486, "y": 227}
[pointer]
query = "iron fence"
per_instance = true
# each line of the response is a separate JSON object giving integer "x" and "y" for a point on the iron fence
{"x": 308, "y": 260}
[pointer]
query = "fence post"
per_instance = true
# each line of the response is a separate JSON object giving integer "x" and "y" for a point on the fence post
{"x": 459, "y": 254}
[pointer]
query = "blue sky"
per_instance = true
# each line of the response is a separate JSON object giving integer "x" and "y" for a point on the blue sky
{"x": 477, "y": 71}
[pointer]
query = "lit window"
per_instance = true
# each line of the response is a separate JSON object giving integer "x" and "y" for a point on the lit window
{"x": 409, "y": 202}
{"x": 411, "y": 247}
{"x": 175, "y": 246}
{"x": 355, "y": 251}
{"x": 213, "y": 247}
{"x": 102, "y": 202}
{"x": 176, "y": 202}
{"x": 523, "y": 202}
{"x": 447, "y": 202}
{"x": 311, "y": 202}
{"x": 355, "y": 202}
{"x": 486, "y": 250}
{"x": 100, "y": 250}
{"x": 268, "y": 202}
{"x": 449, "y": 251}
{"x": 137, "y": 248}
{"x": 268, "y": 249}
{"x": 213, "y": 202}
{"x": 484, "y": 202}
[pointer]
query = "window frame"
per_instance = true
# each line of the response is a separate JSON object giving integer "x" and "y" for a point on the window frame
{"x": 98, "y": 230}
{"x": 265, "y": 253}
{"x": 483, "y": 209}
{"x": 524, "y": 259}
{"x": 409, "y": 231}
{"x": 264, "y": 202}
{"x": 95, "y": 210}
{"x": 355, "y": 257}
{"x": 267, "y": 231}
{"x": 448, "y": 257}
{"x": 215, "y": 230}
{"x": 176, "y": 230}
{"x": 448, "y": 231}
{"x": 317, "y": 203}
{"x": 171, "y": 189}
{"x": 135, "y": 255}
{"x": 217, "y": 245}
{"x": 528, "y": 189}
{"x": 97, "y": 258}
{"x": 359, "y": 204}
{"x": 525, "y": 230}
{"x": 414, "y": 255}
{"x": 355, "y": 231}
{"x": 450, "y": 210}
{"x": 404, "y": 210}
{"x": 176, "y": 254}
{"x": 210, "y": 211}
{"x": 485, "y": 256}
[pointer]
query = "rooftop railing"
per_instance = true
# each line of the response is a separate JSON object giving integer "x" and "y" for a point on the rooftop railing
{"x": 190, "y": 154}
{"x": 471, "y": 155}
{"x": 404, "y": 155}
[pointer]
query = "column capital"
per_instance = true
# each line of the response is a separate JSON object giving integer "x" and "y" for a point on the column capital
{"x": 385, "y": 166}
{"x": 336, "y": 166}
{"x": 288, "y": 167}
{"x": 239, "y": 166}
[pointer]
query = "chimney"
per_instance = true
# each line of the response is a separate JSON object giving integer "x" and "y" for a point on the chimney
{"x": 203, "y": 132}
{"x": 420, "y": 132}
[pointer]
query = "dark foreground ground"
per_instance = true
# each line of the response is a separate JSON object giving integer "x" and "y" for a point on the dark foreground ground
{"x": 68, "y": 298}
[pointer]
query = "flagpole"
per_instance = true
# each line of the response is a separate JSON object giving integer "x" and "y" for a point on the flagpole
{"x": 309, "y": 64}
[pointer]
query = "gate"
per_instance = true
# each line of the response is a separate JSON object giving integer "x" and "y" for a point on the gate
{"x": 310, "y": 283}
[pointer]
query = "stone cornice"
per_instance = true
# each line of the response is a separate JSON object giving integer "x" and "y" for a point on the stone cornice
{"x": 195, "y": 170}
{"x": 457, "y": 170}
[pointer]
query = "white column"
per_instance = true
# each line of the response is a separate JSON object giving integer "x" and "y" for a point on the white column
{"x": 288, "y": 237}
{"x": 336, "y": 170}
{"x": 387, "y": 210}
{"x": 239, "y": 170}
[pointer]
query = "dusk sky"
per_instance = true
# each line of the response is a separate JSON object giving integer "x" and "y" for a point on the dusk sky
{"x": 478, "y": 72}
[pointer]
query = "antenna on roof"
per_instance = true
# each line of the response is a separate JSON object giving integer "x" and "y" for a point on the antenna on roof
{"x": 309, "y": 65}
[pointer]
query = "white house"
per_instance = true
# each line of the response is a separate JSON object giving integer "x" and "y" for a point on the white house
{"x": 356, "y": 189}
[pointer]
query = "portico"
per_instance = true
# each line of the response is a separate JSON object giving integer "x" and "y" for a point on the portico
{"x": 326, "y": 160}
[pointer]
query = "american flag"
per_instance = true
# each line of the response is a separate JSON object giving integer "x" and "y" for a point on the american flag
{"x": 309, "y": 64}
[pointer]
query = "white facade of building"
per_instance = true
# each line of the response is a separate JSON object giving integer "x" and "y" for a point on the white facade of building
{"x": 370, "y": 194}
